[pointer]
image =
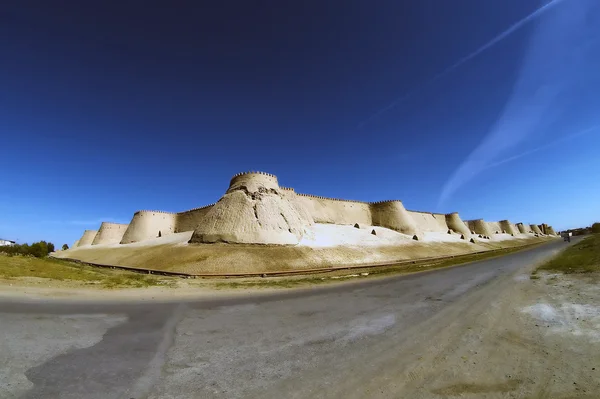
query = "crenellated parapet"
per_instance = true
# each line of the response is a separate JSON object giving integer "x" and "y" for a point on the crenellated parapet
{"x": 196, "y": 209}
{"x": 142, "y": 212}
{"x": 253, "y": 182}
{"x": 330, "y": 199}
{"x": 189, "y": 220}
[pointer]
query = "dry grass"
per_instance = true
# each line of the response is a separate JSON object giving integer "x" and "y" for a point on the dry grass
{"x": 16, "y": 267}
{"x": 343, "y": 275}
{"x": 227, "y": 258}
{"x": 583, "y": 257}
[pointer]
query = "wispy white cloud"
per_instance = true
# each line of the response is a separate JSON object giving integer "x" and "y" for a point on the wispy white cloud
{"x": 491, "y": 43}
{"x": 552, "y": 66}
{"x": 543, "y": 147}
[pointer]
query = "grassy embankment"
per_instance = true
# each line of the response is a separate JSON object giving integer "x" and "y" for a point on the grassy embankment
{"x": 583, "y": 257}
{"x": 19, "y": 267}
{"x": 52, "y": 269}
{"x": 377, "y": 271}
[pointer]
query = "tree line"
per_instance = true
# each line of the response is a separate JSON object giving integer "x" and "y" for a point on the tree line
{"x": 38, "y": 249}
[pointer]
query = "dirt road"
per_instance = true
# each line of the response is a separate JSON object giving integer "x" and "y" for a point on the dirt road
{"x": 483, "y": 330}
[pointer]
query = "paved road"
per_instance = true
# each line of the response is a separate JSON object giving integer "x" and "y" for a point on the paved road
{"x": 350, "y": 341}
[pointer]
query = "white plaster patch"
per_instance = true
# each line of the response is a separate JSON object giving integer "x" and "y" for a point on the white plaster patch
{"x": 569, "y": 318}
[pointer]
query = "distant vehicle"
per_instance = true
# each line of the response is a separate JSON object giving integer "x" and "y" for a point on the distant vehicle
{"x": 566, "y": 235}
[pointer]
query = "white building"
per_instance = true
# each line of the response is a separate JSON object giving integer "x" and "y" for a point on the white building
{"x": 6, "y": 243}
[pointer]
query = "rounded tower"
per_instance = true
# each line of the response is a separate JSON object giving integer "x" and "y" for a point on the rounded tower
{"x": 393, "y": 215}
{"x": 254, "y": 210}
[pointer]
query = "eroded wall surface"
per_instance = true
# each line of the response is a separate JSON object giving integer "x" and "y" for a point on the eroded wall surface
{"x": 254, "y": 210}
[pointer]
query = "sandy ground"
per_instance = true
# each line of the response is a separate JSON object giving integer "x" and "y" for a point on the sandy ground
{"x": 330, "y": 245}
{"x": 539, "y": 339}
{"x": 483, "y": 330}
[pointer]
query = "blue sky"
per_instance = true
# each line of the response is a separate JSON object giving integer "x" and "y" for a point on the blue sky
{"x": 109, "y": 109}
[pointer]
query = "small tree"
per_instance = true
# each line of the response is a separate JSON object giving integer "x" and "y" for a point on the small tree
{"x": 65, "y": 247}
{"x": 596, "y": 228}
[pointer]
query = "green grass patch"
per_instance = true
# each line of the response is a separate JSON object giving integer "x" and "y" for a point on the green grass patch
{"x": 583, "y": 257}
{"x": 14, "y": 267}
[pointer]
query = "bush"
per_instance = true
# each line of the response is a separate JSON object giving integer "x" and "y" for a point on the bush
{"x": 65, "y": 247}
{"x": 38, "y": 249}
{"x": 596, "y": 228}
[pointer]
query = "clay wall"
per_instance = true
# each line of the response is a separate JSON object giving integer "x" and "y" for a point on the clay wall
{"x": 393, "y": 215}
{"x": 335, "y": 211}
{"x": 189, "y": 220}
{"x": 429, "y": 222}
{"x": 147, "y": 224}
{"x": 87, "y": 238}
{"x": 494, "y": 227}
{"x": 523, "y": 229}
{"x": 75, "y": 244}
{"x": 535, "y": 228}
{"x": 254, "y": 210}
{"x": 455, "y": 223}
{"x": 479, "y": 226}
{"x": 508, "y": 227}
{"x": 251, "y": 181}
{"x": 110, "y": 233}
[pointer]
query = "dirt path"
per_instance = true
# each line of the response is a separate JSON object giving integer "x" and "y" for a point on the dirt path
{"x": 518, "y": 338}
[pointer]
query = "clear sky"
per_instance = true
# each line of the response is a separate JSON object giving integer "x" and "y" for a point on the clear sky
{"x": 485, "y": 108}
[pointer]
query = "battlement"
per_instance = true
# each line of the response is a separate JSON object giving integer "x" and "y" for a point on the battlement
{"x": 146, "y": 211}
{"x": 196, "y": 209}
{"x": 287, "y": 188}
{"x": 111, "y": 225}
{"x": 426, "y": 213}
{"x": 252, "y": 173}
{"x": 330, "y": 199}
{"x": 253, "y": 182}
{"x": 383, "y": 202}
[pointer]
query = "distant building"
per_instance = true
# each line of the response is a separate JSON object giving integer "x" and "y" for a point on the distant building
{"x": 6, "y": 243}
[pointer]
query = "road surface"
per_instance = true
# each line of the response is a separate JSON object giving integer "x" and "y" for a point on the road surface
{"x": 377, "y": 338}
